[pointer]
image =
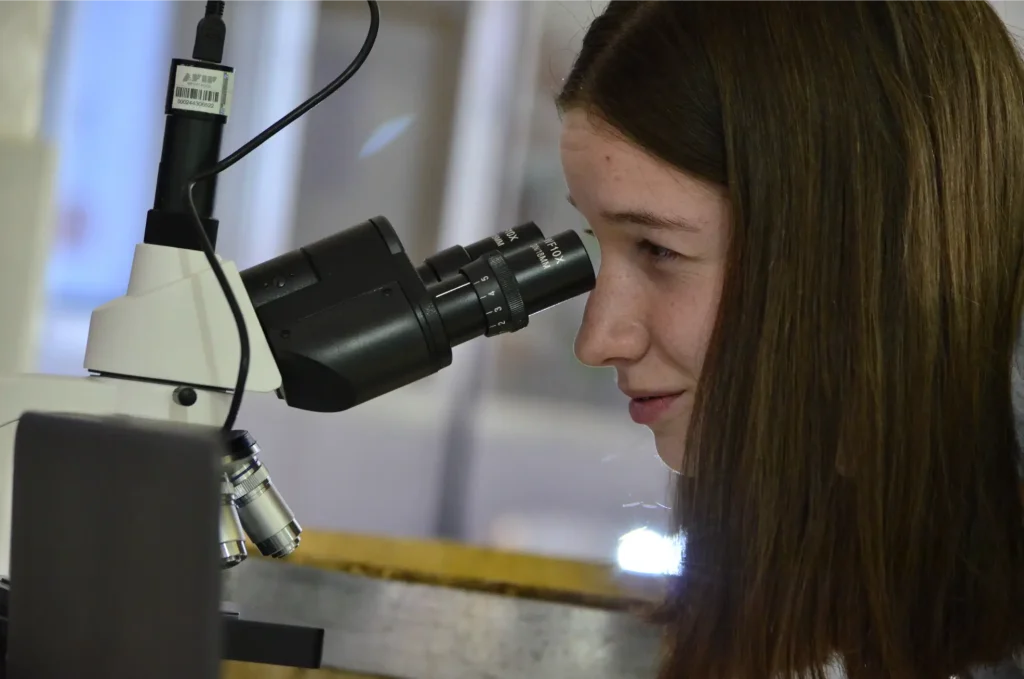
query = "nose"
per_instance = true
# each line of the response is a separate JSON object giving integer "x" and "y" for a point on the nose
{"x": 613, "y": 332}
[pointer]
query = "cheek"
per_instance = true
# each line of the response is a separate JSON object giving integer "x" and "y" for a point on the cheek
{"x": 686, "y": 322}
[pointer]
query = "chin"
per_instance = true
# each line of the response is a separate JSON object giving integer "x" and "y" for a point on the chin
{"x": 672, "y": 451}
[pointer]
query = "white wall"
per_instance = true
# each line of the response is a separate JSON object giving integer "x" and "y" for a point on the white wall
{"x": 1012, "y": 13}
{"x": 380, "y": 145}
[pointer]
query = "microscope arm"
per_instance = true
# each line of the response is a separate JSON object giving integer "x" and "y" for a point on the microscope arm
{"x": 166, "y": 350}
{"x": 174, "y": 325}
{"x": 173, "y": 321}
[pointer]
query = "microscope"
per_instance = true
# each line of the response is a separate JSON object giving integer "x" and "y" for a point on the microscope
{"x": 325, "y": 327}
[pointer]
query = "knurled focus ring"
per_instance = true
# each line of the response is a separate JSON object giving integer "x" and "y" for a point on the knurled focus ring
{"x": 518, "y": 317}
{"x": 490, "y": 296}
{"x": 258, "y": 479}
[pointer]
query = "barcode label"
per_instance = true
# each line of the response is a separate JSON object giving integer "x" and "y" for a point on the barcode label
{"x": 205, "y": 90}
{"x": 198, "y": 95}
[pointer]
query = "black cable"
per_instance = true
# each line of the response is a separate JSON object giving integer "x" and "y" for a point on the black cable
{"x": 244, "y": 150}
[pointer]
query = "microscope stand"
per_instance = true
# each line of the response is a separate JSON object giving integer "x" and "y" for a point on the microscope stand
{"x": 112, "y": 570}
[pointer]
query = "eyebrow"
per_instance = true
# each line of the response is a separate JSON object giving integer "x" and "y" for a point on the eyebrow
{"x": 646, "y": 218}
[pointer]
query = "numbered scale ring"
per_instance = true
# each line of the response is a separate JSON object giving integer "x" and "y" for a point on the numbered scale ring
{"x": 496, "y": 288}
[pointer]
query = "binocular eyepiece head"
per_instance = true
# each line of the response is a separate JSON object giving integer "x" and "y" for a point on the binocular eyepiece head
{"x": 349, "y": 318}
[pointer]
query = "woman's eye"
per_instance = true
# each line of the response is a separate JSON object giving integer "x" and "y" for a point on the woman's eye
{"x": 656, "y": 252}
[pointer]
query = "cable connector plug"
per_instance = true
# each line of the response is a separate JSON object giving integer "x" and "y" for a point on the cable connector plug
{"x": 210, "y": 34}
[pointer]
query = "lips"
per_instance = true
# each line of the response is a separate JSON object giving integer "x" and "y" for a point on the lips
{"x": 650, "y": 409}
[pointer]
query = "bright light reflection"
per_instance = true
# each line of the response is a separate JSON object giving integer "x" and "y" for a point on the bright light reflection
{"x": 387, "y": 132}
{"x": 646, "y": 551}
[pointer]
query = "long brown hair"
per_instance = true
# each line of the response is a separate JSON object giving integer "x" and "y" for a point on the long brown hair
{"x": 855, "y": 487}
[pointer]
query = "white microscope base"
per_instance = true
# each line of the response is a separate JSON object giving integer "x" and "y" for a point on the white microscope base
{"x": 88, "y": 396}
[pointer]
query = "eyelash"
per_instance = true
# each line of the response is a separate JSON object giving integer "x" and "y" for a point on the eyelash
{"x": 649, "y": 249}
{"x": 656, "y": 252}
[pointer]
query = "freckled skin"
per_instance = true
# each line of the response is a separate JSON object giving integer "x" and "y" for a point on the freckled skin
{"x": 652, "y": 310}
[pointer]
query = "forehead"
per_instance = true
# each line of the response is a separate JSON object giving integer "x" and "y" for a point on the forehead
{"x": 606, "y": 171}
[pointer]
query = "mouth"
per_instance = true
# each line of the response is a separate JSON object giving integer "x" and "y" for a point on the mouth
{"x": 650, "y": 409}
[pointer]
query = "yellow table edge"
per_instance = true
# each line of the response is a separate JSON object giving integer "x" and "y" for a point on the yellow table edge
{"x": 453, "y": 564}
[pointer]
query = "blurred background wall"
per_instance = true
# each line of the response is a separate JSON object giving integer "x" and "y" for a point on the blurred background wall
{"x": 449, "y": 130}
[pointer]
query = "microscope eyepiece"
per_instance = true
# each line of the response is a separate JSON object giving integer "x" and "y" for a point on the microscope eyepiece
{"x": 449, "y": 262}
{"x": 349, "y": 318}
{"x": 498, "y": 292}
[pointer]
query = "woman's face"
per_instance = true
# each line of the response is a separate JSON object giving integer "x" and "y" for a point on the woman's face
{"x": 663, "y": 238}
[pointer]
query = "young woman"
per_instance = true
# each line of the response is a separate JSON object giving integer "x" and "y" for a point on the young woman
{"x": 811, "y": 223}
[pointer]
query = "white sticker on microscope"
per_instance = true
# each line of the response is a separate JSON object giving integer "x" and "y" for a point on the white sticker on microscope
{"x": 204, "y": 90}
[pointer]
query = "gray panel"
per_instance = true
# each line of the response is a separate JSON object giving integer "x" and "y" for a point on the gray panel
{"x": 114, "y": 571}
{"x": 408, "y": 631}
{"x": 412, "y": 631}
